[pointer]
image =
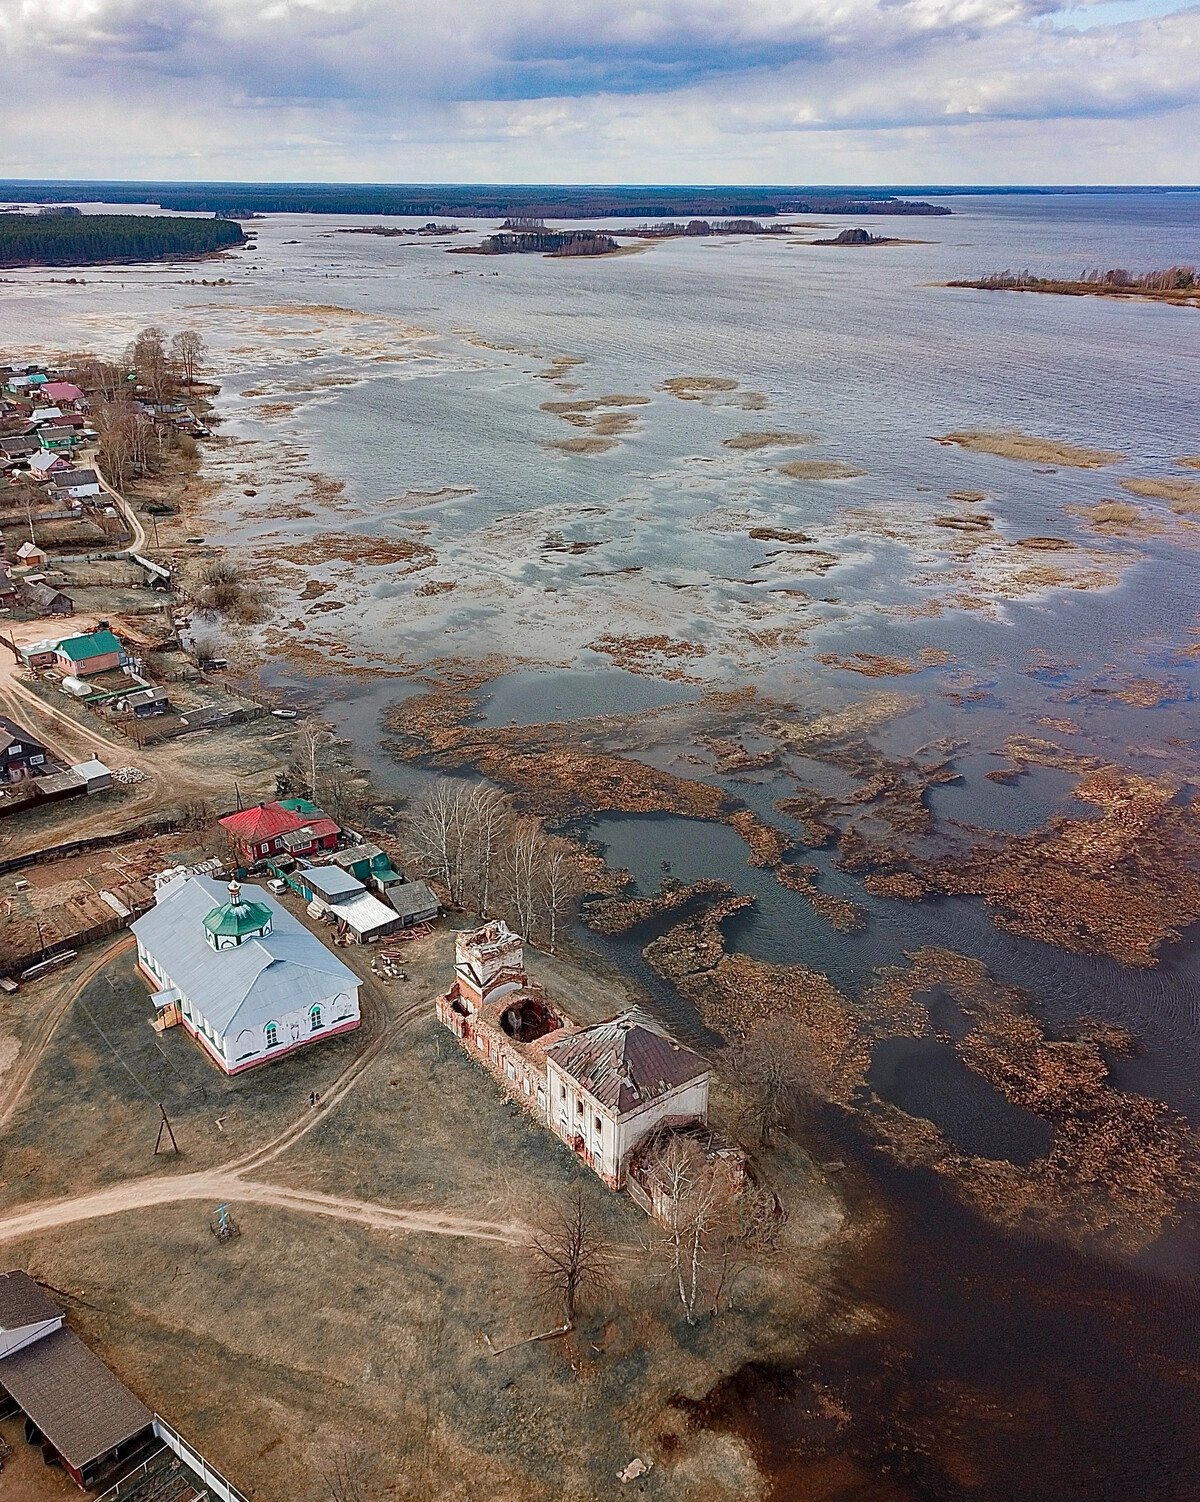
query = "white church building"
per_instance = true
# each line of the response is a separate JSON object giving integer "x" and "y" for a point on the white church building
{"x": 247, "y": 980}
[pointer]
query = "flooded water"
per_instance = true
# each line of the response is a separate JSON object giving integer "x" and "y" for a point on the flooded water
{"x": 608, "y": 541}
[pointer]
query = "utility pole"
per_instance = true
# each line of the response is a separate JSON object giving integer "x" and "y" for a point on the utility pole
{"x": 164, "y": 1125}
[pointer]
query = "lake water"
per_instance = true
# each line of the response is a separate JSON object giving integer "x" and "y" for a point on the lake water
{"x": 383, "y": 388}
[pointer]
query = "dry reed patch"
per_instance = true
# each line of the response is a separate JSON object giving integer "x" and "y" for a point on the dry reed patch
{"x": 964, "y": 523}
{"x": 693, "y": 388}
{"x": 873, "y": 665}
{"x": 1012, "y": 443}
{"x": 820, "y": 469}
{"x": 778, "y": 534}
{"x": 1183, "y": 496}
{"x": 753, "y": 441}
{"x": 1043, "y": 544}
{"x": 1189, "y": 461}
{"x": 597, "y": 415}
{"x": 972, "y": 497}
{"x": 347, "y": 547}
{"x": 649, "y": 656}
{"x": 1114, "y": 518}
{"x": 842, "y": 915}
{"x": 593, "y": 404}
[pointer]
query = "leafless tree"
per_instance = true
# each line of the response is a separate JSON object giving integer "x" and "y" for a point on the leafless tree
{"x": 749, "y": 1232}
{"x": 436, "y": 832}
{"x": 344, "y": 1478}
{"x": 559, "y": 884}
{"x": 148, "y": 357}
{"x": 571, "y": 1254}
{"x": 490, "y": 816}
{"x": 188, "y": 353}
{"x": 526, "y": 848}
{"x": 95, "y": 376}
{"x": 312, "y": 750}
{"x": 777, "y": 1065}
{"x": 694, "y": 1193}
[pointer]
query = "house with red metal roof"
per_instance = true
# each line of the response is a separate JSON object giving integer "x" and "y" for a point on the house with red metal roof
{"x": 273, "y": 829}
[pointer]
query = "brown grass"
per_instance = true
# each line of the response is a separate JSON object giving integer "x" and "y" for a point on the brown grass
{"x": 752, "y": 442}
{"x": 1043, "y": 544}
{"x": 1012, "y": 443}
{"x": 594, "y": 404}
{"x": 1183, "y": 496}
{"x": 691, "y": 388}
{"x": 1189, "y": 461}
{"x": 820, "y": 469}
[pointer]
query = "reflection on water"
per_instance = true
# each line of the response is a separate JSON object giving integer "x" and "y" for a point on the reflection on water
{"x": 927, "y": 1078}
{"x": 538, "y": 698}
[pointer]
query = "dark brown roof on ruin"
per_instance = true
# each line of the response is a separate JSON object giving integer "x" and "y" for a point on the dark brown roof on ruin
{"x": 82, "y": 1408}
{"x": 623, "y": 1064}
{"x": 22, "y": 1301}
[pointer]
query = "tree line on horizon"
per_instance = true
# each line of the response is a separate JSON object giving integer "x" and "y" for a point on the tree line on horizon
{"x": 88, "y": 239}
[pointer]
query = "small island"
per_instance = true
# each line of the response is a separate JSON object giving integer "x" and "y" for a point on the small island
{"x": 860, "y": 237}
{"x": 1177, "y": 284}
{"x": 99, "y": 239}
{"x": 516, "y": 238}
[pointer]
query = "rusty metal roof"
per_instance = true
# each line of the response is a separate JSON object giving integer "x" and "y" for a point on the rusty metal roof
{"x": 623, "y": 1064}
{"x": 82, "y": 1408}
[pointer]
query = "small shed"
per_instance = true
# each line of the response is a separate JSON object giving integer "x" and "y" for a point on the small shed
{"x": 31, "y": 556}
{"x": 147, "y": 702}
{"x": 327, "y": 885}
{"x": 415, "y": 902}
{"x": 369, "y": 864}
{"x": 60, "y": 785}
{"x": 46, "y": 600}
{"x": 365, "y": 917}
{"x": 94, "y": 774}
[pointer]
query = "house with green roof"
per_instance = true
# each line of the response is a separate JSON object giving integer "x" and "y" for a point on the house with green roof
{"x": 97, "y": 652}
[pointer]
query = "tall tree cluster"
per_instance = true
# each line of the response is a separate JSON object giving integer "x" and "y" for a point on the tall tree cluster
{"x": 470, "y": 839}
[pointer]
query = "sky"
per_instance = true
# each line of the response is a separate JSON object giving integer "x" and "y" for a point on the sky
{"x": 602, "y": 91}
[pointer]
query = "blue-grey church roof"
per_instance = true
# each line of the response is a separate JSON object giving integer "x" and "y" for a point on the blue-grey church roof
{"x": 246, "y": 986}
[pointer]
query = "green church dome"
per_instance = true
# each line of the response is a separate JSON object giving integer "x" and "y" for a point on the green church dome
{"x": 238, "y": 919}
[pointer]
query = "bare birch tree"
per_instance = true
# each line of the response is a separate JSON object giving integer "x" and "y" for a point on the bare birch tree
{"x": 695, "y": 1195}
{"x": 526, "y": 849}
{"x": 188, "y": 352}
{"x": 559, "y": 884}
{"x": 436, "y": 833}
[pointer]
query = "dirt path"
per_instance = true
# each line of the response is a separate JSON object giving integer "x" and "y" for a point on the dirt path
{"x": 220, "y": 1186}
{"x": 228, "y": 1183}
{"x": 15, "y": 1084}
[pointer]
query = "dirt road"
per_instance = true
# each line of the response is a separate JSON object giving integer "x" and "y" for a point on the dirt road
{"x": 222, "y": 1187}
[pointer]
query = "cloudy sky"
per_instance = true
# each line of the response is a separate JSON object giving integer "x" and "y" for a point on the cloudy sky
{"x": 774, "y": 91}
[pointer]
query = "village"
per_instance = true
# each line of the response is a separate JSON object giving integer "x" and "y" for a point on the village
{"x": 194, "y": 884}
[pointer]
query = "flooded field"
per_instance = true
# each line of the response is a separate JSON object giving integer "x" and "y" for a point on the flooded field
{"x": 873, "y": 599}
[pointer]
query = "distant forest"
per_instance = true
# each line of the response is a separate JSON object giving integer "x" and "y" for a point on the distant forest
{"x": 91, "y": 239}
{"x": 473, "y": 200}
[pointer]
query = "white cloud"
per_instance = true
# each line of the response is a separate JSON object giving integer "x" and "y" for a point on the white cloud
{"x": 650, "y": 90}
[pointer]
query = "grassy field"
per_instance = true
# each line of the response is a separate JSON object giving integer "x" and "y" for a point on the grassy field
{"x": 309, "y": 1344}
